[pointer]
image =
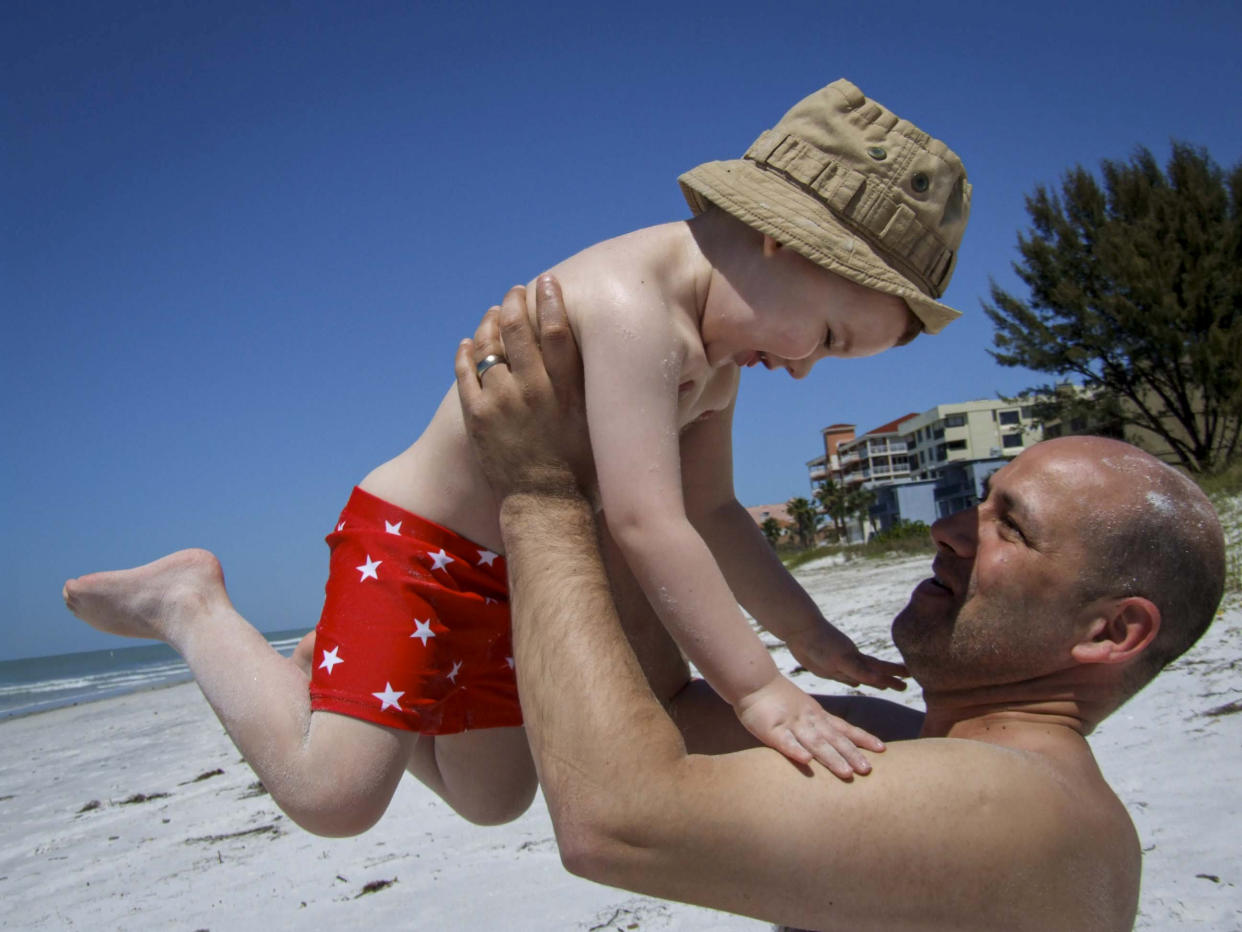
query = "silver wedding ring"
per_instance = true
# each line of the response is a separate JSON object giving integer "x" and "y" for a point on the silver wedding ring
{"x": 491, "y": 359}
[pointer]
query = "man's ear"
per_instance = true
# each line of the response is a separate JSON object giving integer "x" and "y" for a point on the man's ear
{"x": 1120, "y": 630}
{"x": 770, "y": 246}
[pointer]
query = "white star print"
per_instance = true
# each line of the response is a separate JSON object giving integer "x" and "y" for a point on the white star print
{"x": 392, "y": 528}
{"x": 486, "y": 557}
{"x": 422, "y": 631}
{"x": 453, "y": 672}
{"x": 509, "y": 661}
{"x": 341, "y": 526}
{"x": 488, "y": 600}
{"x": 368, "y": 569}
{"x": 388, "y": 698}
{"x": 441, "y": 559}
{"x": 330, "y": 659}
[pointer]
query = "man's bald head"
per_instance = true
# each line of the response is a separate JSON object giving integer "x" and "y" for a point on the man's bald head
{"x": 1152, "y": 533}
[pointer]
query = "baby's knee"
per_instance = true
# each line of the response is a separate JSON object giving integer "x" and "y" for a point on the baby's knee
{"x": 506, "y": 803}
{"x": 335, "y": 818}
{"x": 488, "y": 777}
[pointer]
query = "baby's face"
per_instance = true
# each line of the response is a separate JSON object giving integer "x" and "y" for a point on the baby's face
{"x": 798, "y": 314}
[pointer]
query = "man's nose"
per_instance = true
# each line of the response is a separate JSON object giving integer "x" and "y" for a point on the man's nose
{"x": 957, "y": 532}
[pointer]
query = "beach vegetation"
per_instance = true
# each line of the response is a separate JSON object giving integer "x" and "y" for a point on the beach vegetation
{"x": 805, "y": 517}
{"x": 1224, "y": 489}
{"x": 833, "y": 501}
{"x": 1135, "y": 292}
{"x": 772, "y": 530}
{"x": 906, "y": 538}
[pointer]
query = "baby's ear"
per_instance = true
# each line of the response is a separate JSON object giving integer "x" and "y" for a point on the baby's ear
{"x": 770, "y": 246}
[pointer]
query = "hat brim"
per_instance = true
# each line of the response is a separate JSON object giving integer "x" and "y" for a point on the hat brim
{"x": 772, "y": 205}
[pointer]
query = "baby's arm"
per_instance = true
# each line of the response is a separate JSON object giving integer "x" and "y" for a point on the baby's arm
{"x": 632, "y": 365}
{"x": 756, "y": 575}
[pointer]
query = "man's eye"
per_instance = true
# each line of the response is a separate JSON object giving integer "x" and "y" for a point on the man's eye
{"x": 1008, "y": 524}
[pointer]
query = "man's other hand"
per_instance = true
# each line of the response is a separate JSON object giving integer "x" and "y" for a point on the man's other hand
{"x": 526, "y": 416}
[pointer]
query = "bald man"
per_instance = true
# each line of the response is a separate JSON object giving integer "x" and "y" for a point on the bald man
{"x": 1085, "y": 570}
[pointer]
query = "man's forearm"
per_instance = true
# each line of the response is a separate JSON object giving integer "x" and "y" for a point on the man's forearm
{"x": 587, "y": 705}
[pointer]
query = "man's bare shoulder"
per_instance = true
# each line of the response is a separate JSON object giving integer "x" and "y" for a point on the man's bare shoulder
{"x": 943, "y": 833}
{"x": 1043, "y": 827}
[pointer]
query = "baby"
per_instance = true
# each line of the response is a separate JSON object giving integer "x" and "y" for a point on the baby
{"x": 833, "y": 236}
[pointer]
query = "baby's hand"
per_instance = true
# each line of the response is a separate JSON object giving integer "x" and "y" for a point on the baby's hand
{"x": 785, "y": 718}
{"x": 826, "y": 652}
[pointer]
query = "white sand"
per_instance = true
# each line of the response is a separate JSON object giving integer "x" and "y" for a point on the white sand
{"x": 212, "y": 855}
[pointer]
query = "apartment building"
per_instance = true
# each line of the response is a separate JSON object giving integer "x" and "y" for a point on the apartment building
{"x": 878, "y": 456}
{"x": 825, "y": 466}
{"x": 925, "y": 466}
{"x": 969, "y": 430}
{"x": 918, "y": 447}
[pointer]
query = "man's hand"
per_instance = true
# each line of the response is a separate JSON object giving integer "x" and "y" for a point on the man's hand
{"x": 785, "y": 718}
{"x": 527, "y": 417}
{"x": 828, "y": 652}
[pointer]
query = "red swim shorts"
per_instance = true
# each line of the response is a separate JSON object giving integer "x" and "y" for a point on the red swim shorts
{"x": 415, "y": 627}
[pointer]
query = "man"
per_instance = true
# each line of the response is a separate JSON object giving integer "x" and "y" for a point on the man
{"x": 1087, "y": 568}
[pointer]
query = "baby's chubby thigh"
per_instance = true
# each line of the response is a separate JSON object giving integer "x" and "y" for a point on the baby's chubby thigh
{"x": 487, "y": 775}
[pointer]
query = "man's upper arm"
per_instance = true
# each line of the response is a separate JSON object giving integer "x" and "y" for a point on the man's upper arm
{"x": 942, "y": 834}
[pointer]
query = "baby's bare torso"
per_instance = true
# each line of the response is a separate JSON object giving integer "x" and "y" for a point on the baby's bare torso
{"x": 437, "y": 477}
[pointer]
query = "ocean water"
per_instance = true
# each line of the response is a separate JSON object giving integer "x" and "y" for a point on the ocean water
{"x": 36, "y": 684}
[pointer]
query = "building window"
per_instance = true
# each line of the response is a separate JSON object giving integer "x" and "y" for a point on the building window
{"x": 956, "y": 445}
{"x": 1009, "y": 417}
{"x": 1011, "y": 440}
{"x": 955, "y": 420}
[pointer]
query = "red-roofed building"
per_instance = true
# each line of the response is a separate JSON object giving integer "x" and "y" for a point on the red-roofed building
{"x": 761, "y": 513}
{"x": 877, "y": 456}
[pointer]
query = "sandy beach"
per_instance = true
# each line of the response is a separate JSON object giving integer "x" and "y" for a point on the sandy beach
{"x": 138, "y": 813}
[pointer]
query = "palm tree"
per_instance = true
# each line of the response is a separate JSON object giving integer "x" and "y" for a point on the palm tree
{"x": 833, "y": 500}
{"x": 806, "y": 519}
{"x": 772, "y": 530}
{"x": 860, "y": 501}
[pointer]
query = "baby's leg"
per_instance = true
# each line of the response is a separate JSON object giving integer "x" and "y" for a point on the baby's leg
{"x": 487, "y": 776}
{"x": 331, "y": 774}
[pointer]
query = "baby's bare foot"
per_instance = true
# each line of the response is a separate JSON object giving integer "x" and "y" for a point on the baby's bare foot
{"x": 149, "y": 601}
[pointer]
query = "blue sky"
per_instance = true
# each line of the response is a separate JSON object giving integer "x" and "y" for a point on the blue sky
{"x": 241, "y": 240}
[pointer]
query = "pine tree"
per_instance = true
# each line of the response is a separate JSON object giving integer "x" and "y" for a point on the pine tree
{"x": 1136, "y": 290}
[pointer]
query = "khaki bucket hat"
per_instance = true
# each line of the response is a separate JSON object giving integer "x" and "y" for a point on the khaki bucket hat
{"x": 851, "y": 186}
